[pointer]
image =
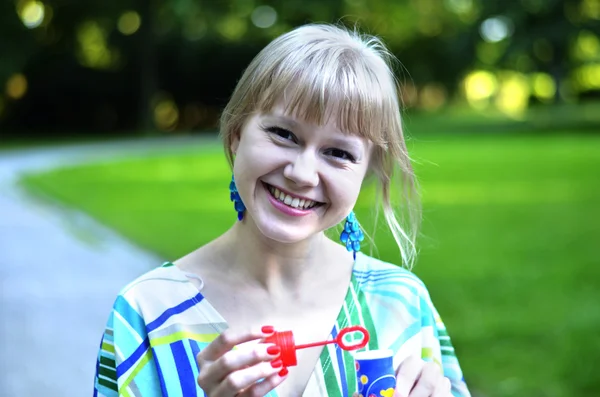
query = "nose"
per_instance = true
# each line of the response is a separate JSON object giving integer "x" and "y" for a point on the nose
{"x": 302, "y": 169}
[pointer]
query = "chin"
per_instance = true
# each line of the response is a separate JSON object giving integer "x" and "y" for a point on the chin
{"x": 281, "y": 231}
{"x": 287, "y": 234}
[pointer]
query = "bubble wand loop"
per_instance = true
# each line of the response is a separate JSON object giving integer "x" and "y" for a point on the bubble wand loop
{"x": 340, "y": 339}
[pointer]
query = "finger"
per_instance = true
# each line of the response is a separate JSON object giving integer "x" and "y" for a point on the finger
{"x": 230, "y": 338}
{"x": 237, "y": 381}
{"x": 447, "y": 384}
{"x": 235, "y": 360}
{"x": 428, "y": 381}
{"x": 262, "y": 388}
{"x": 439, "y": 392}
{"x": 446, "y": 388}
{"x": 407, "y": 374}
{"x": 443, "y": 389}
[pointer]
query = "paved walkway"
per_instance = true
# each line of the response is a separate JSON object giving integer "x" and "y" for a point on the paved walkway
{"x": 56, "y": 289}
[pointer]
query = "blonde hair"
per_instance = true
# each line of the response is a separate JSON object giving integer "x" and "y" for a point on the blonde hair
{"x": 320, "y": 71}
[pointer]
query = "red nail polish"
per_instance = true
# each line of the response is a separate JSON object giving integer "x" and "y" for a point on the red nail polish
{"x": 277, "y": 364}
{"x": 267, "y": 329}
{"x": 283, "y": 372}
{"x": 273, "y": 350}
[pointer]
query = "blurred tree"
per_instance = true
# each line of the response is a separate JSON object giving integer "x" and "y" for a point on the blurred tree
{"x": 541, "y": 36}
{"x": 116, "y": 65}
{"x": 14, "y": 52}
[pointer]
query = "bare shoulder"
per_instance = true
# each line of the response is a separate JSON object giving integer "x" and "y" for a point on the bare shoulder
{"x": 200, "y": 261}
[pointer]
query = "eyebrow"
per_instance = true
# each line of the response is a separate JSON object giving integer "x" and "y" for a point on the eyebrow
{"x": 281, "y": 118}
{"x": 348, "y": 140}
{"x": 296, "y": 124}
{"x": 356, "y": 144}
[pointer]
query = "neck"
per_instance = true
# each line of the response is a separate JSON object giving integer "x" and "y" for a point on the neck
{"x": 279, "y": 268}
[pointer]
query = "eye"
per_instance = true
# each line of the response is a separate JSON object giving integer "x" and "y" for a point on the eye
{"x": 340, "y": 154}
{"x": 282, "y": 133}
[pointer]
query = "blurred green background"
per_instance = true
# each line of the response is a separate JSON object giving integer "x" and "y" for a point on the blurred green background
{"x": 502, "y": 114}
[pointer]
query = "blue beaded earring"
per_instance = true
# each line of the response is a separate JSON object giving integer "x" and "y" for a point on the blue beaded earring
{"x": 352, "y": 235}
{"x": 237, "y": 200}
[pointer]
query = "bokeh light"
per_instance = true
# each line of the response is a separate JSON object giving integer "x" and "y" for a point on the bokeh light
{"x": 93, "y": 51}
{"x": 166, "y": 113}
{"x": 16, "y": 86}
{"x": 496, "y": 29}
{"x": 459, "y": 6}
{"x": 232, "y": 27}
{"x": 479, "y": 87}
{"x": 409, "y": 95}
{"x": 543, "y": 86}
{"x": 264, "y": 17}
{"x": 513, "y": 94}
{"x": 129, "y": 22}
{"x": 587, "y": 47}
{"x": 433, "y": 96}
{"x": 32, "y": 14}
{"x": 587, "y": 77}
{"x": 590, "y": 9}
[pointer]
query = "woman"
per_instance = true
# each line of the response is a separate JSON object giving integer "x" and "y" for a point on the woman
{"x": 314, "y": 116}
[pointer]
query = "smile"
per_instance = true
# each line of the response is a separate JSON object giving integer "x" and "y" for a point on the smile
{"x": 290, "y": 200}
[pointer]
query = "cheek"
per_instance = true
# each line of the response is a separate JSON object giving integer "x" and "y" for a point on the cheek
{"x": 246, "y": 153}
{"x": 254, "y": 161}
{"x": 344, "y": 190}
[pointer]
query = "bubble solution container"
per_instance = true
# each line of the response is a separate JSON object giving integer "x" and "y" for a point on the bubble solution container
{"x": 375, "y": 373}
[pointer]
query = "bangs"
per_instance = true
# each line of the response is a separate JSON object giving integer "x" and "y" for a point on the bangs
{"x": 348, "y": 87}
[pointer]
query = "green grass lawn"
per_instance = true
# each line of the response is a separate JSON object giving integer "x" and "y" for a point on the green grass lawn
{"x": 507, "y": 246}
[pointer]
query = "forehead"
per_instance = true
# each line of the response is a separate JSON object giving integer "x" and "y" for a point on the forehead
{"x": 283, "y": 114}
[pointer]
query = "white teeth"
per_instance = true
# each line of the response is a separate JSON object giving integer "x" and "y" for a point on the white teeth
{"x": 291, "y": 201}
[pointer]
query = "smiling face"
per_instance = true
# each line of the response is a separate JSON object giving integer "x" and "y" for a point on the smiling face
{"x": 320, "y": 73}
{"x": 297, "y": 178}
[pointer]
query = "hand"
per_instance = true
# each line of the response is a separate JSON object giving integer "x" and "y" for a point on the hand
{"x": 225, "y": 372}
{"x": 417, "y": 378}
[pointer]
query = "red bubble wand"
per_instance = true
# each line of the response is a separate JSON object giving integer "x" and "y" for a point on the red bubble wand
{"x": 285, "y": 341}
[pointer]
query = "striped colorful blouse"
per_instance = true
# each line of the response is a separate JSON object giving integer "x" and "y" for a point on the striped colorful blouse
{"x": 160, "y": 322}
